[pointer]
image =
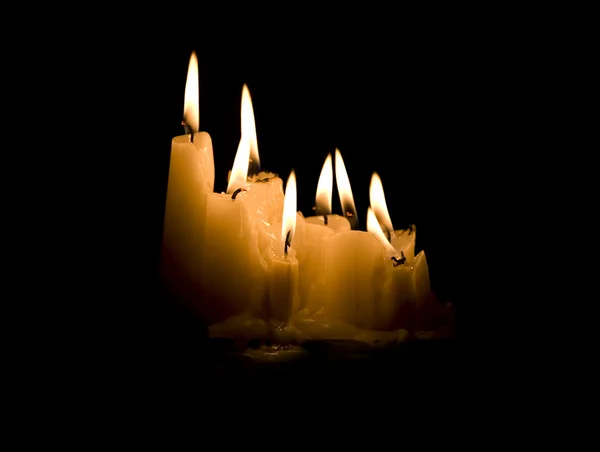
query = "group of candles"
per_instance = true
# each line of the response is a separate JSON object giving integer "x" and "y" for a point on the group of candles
{"x": 250, "y": 252}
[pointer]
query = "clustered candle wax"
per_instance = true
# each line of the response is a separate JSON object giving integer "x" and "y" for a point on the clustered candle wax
{"x": 248, "y": 256}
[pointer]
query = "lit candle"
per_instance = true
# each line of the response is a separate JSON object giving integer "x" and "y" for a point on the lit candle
{"x": 263, "y": 189}
{"x": 309, "y": 241}
{"x": 354, "y": 266}
{"x": 283, "y": 268}
{"x": 395, "y": 304}
{"x": 233, "y": 279}
{"x": 408, "y": 287}
{"x": 403, "y": 240}
{"x": 191, "y": 179}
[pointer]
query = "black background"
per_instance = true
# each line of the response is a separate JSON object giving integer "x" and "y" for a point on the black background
{"x": 425, "y": 98}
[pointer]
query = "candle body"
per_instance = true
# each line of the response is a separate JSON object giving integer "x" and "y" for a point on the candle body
{"x": 191, "y": 179}
{"x": 355, "y": 270}
{"x": 233, "y": 277}
{"x": 308, "y": 243}
{"x": 282, "y": 300}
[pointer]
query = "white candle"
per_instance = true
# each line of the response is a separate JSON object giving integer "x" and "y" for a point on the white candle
{"x": 354, "y": 266}
{"x": 239, "y": 236}
{"x": 309, "y": 240}
{"x": 191, "y": 179}
{"x": 264, "y": 190}
{"x": 233, "y": 278}
{"x": 408, "y": 287}
{"x": 283, "y": 268}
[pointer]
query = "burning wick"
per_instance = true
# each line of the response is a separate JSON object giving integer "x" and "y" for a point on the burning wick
{"x": 388, "y": 234}
{"x": 352, "y": 219}
{"x": 399, "y": 261}
{"x": 288, "y": 242}
{"x": 189, "y": 130}
{"x": 325, "y": 219}
{"x": 235, "y": 193}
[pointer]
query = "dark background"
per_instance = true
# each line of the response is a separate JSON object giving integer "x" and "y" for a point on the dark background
{"x": 425, "y": 98}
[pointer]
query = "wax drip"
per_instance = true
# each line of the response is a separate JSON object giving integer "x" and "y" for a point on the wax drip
{"x": 288, "y": 242}
{"x": 399, "y": 260}
{"x": 237, "y": 192}
{"x": 189, "y": 130}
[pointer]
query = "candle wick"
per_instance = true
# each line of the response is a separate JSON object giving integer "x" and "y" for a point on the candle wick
{"x": 288, "y": 242}
{"x": 399, "y": 260}
{"x": 325, "y": 219}
{"x": 410, "y": 229}
{"x": 388, "y": 234}
{"x": 189, "y": 130}
{"x": 237, "y": 192}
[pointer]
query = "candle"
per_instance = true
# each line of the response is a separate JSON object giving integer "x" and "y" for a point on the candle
{"x": 397, "y": 295}
{"x": 283, "y": 268}
{"x": 239, "y": 238}
{"x": 354, "y": 266}
{"x": 309, "y": 242}
{"x": 233, "y": 279}
{"x": 408, "y": 285}
{"x": 191, "y": 178}
{"x": 264, "y": 190}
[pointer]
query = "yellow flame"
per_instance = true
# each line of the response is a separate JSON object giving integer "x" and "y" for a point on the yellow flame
{"x": 342, "y": 182}
{"x": 378, "y": 204}
{"x": 374, "y": 228}
{"x": 239, "y": 172}
{"x": 325, "y": 188}
{"x": 191, "y": 108}
{"x": 289, "y": 209}
{"x": 248, "y": 124}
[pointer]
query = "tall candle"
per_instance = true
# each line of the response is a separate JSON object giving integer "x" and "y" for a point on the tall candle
{"x": 191, "y": 179}
{"x": 309, "y": 241}
{"x": 283, "y": 268}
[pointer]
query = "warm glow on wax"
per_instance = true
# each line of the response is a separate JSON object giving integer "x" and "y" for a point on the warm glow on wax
{"x": 249, "y": 125}
{"x": 344, "y": 190}
{"x": 191, "y": 107}
{"x": 325, "y": 189}
{"x": 378, "y": 204}
{"x": 239, "y": 172}
{"x": 374, "y": 228}
{"x": 289, "y": 211}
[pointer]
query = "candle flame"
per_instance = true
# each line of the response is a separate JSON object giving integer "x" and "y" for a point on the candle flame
{"x": 289, "y": 209}
{"x": 239, "y": 172}
{"x": 325, "y": 188}
{"x": 191, "y": 108}
{"x": 378, "y": 204}
{"x": 249, "y": 125}
{"x": 344, "y": 190}
{"x": 374, "y": 228}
